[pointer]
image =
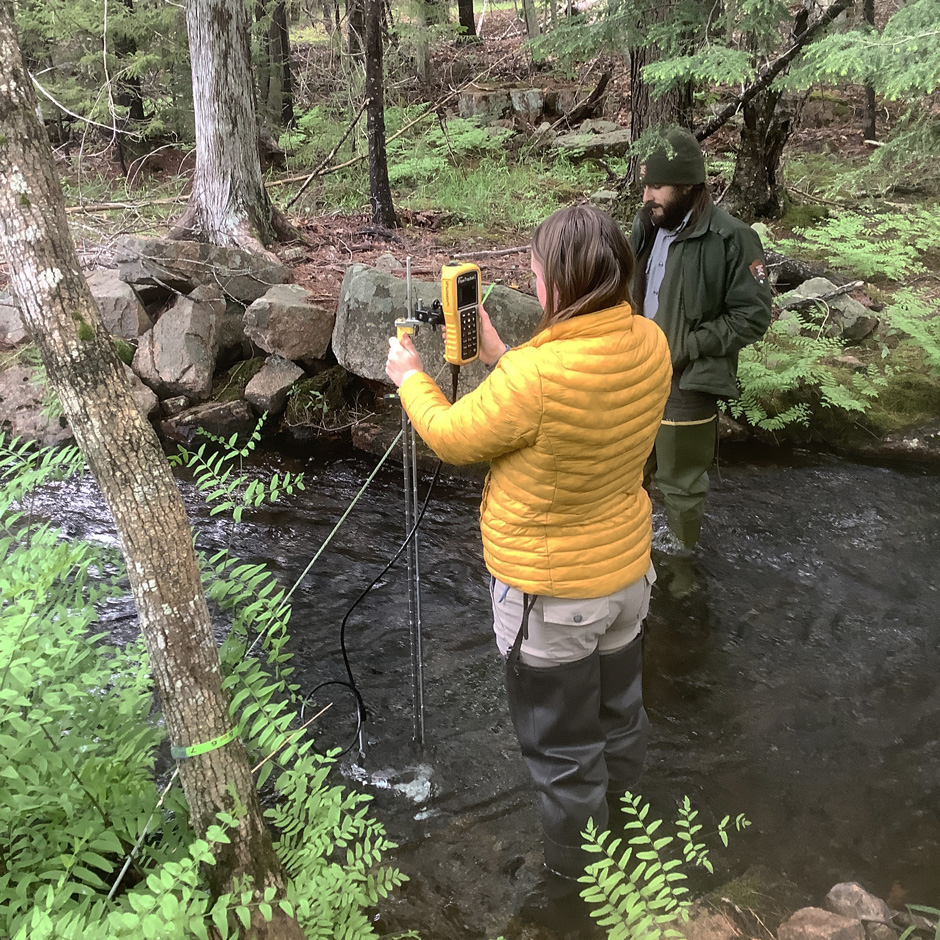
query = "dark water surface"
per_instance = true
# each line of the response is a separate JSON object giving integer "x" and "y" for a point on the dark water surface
{"x": 791, "y": 675}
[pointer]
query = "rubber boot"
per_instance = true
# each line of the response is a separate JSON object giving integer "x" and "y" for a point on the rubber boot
{"x": 555, "y": 905}
{"x": 556, "y": 714}
{"x": 684, "y": 455}
{"x": 624, "y": 722}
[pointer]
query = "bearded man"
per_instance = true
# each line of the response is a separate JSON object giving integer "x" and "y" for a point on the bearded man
{"x": 702, "y": 276}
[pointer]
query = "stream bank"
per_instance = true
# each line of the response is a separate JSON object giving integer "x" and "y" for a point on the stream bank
{"x": 790, "y": 675}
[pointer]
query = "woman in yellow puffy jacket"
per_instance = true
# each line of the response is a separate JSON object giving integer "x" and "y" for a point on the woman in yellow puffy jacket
{"x": 567, "y": 421}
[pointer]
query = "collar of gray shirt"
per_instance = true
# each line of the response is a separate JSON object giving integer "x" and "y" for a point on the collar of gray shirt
{"x": 656, "y": 266}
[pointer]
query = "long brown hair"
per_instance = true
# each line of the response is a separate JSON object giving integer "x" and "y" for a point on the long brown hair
{"x": 700, "y": 198}
{"x": 586, "y": 263}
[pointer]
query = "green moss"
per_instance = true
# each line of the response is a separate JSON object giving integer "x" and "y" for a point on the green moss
{"x": 124, "y": 350}
{"x": 910, "y": 397}
{"x": 85, "y": 333}
{"x": 801, "y": 214}
{"x": 758, "y": 898}
{"x": 230, "y": 385}
{"x": 319, "y": 401}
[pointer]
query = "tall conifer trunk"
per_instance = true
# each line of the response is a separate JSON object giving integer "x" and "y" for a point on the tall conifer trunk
{"x": 465, "y": 18}
{"x": 380, "y": 193}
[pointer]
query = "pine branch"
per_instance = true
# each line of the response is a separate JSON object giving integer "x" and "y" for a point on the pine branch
{"x": 770, "y": 72}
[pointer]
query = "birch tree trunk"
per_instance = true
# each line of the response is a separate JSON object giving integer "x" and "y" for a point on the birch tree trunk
{"x": 125, "y": 456}
{"x": 229, "y": 204}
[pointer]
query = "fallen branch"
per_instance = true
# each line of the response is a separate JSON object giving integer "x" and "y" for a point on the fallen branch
{"x": 115, "y": 206}
{"x": 326, "y": 160}
{"x": 822, "y": 298}
{"x": 430, "y": 110}
{"x": 321, "y": 170}
{"x": 587, "y": 107}
{"x": 770, "y": 72}
{"x": 496, "y": 252}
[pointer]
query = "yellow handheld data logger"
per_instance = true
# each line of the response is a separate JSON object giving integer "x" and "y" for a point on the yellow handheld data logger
{"x": 460, "y": 298}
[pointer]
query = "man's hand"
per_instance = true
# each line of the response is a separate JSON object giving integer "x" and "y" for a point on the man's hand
{"x": 403, "y": 359}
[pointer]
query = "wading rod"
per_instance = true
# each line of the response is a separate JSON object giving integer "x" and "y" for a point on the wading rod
{"x": 409, "y": 453}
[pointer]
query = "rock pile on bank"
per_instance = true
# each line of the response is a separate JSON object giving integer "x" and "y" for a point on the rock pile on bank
{"x": 212, "y": 338}
{"x": 850, "y": 913}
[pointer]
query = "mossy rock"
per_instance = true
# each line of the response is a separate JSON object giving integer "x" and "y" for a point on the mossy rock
{"x": 910, "y": 397}
{"x": 760, "y": 898}
{"x": 801, "y": 215}
{"x": 230, "y": 385}
{"x": 319, "y": 401}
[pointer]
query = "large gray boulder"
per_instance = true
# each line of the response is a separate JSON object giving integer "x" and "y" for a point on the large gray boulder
{"x": 285, "y": 323}
{"x": 146, "y": 400}
{"x": 485, "y": 105}
{"x": 528, "y": 103}
{"x": 370, "y": 301}
{"x": 22, "y": 414}
{"x": 582, "y": 145}
{"x": 183, "y": 266}
{"x": 121, "y": 310}
{"x": 177, "y": 357}
{"x": 850, "y": 899}
{"x": 843, "y": 316}
{"x": 813, "y": 923}
{"x": 267, "y": 390}
{"x": 232, "y": 339}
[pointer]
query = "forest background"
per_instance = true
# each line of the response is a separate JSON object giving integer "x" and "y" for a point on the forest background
{"x": 820, "y": 121}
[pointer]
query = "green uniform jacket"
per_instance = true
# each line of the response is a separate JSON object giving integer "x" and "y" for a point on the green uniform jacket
{"x": 714, "y": 300}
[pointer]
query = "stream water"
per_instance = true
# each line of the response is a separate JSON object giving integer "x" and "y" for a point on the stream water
{"x": 791, "y": 675}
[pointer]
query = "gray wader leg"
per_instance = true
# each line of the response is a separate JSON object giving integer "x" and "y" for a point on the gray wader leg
{"x": 556, "y": 714}
{"x": 624, "y": 721}
{"x": 684, "y": 454}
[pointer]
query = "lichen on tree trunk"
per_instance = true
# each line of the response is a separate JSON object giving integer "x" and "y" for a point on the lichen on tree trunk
{"x": 756, "y": 189}
{"x": 135, "y": 479}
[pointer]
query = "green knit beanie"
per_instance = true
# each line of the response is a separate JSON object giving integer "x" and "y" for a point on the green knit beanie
{"x": 685, "y": 168}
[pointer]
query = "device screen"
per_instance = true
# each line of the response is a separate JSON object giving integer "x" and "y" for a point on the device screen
{"x": 467, "y": 293}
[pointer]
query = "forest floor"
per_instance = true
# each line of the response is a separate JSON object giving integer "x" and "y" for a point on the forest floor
{"x": 832, "y": 123}
{"x": 329, "y": 241}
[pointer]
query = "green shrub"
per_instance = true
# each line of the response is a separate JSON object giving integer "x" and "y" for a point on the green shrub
{"x": 79, "y": 795}
{"x": 637, "y": 886}
{"x": 793, "y": 371}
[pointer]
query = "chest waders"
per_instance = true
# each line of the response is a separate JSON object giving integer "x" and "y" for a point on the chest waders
{"x": 582, "y": 730}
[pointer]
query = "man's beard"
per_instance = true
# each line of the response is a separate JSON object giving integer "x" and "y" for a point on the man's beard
{"x": 669, "y": 214}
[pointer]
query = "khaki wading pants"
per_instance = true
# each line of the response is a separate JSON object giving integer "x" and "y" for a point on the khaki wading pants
{"x": 682, "y": 456}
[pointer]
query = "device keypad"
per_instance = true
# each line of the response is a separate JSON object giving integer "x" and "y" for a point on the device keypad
{"x": 468, "y": 332}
